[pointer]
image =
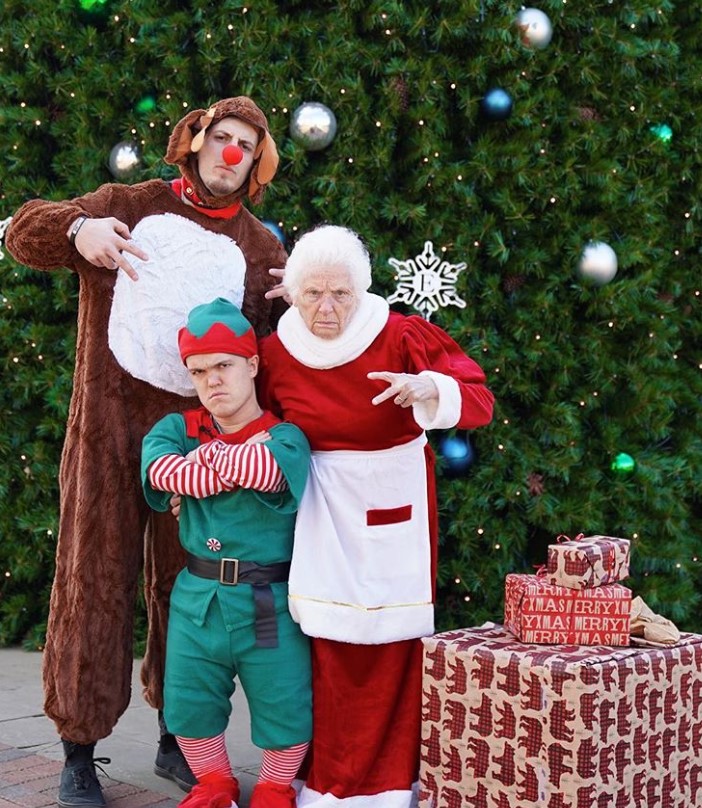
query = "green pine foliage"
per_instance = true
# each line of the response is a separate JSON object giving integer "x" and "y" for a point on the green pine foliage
{"x": 580, "y": 372}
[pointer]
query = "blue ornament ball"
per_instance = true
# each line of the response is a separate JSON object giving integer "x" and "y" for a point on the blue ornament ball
{"x": 457, "y": 454}
{"x": 497, "y": 104}
{"x": 277, "y": 232}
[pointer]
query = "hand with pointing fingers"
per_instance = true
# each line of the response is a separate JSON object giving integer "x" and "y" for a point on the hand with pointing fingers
{"x": 103, "y": 242}
{"x": 279, "y": 289}
{"x": 405, "y": 388}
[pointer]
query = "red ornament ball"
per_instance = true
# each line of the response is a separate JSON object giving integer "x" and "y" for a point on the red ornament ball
{"x": 232, "y": 155}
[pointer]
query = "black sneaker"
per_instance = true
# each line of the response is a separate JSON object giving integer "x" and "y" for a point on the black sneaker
{"x": 171, "y": 764}
{"x": 79, "y": 786}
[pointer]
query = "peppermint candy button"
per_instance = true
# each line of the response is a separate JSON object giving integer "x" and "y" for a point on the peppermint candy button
{"x": 214, "y": 544}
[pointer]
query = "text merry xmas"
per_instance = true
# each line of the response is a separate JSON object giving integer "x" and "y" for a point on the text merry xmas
{"x": 550, "y": 637}
{"x": 576, "y": 606}
{"x": 575, "y": 621}
{"x": 578, "y": 623}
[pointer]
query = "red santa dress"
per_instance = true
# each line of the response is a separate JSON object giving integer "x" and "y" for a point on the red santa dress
{"x": 364, "y": 559}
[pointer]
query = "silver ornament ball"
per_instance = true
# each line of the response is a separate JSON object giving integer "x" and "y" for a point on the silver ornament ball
{"x": 535, "y": 28}
{"x": 124, "y": 159}
{"x": 598, "y": 263}
{"x": 313, "y": 126}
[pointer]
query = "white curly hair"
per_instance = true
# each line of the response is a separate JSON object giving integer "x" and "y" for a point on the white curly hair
{"x": 328, "y": 246}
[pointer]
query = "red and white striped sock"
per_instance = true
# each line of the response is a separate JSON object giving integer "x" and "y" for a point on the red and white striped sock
{"x": 206, "y": 755}
{"x": 281, "y": 765}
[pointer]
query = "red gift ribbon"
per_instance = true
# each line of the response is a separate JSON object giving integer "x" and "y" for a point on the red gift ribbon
{"x": 563, "y": 537}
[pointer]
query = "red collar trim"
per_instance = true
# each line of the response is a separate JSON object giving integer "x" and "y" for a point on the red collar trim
{"x": 187, "y": 193}
{"x": 198, "y": 424}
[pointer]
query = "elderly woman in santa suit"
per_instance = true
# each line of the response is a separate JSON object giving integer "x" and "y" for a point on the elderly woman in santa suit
{"x": 364, "y": 384}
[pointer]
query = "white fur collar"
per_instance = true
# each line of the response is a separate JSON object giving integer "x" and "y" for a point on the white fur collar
{"x": 368, "y": 321}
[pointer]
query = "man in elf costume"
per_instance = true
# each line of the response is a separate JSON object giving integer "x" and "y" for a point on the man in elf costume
{"x": 145, "y": 255}
{"x": 241, "y": 473}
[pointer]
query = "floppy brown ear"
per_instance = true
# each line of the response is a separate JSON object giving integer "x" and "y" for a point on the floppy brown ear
{"x": 268, "y": 164}
{"x": 255, "y": 191}
{"x": 205, "y": 121}
{"x": 181, "y": 138}
{"x": 181, "y": 142}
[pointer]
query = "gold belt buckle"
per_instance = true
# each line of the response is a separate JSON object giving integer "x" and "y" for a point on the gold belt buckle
{"x": 224, "y": 565}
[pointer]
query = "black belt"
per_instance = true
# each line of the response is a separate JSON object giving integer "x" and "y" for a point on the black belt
{"x": 232, "y": 571}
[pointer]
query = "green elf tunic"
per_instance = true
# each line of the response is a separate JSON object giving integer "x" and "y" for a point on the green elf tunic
{"x": 211, "y": 627}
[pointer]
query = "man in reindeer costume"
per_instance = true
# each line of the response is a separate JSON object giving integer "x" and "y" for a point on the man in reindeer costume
{"x": 145, "y": 255}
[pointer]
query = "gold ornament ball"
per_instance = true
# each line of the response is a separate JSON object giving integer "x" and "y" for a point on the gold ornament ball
{"x": 313, "y": 126}
{"x": 535, "y": 28}
{"x": 598, "y": 263}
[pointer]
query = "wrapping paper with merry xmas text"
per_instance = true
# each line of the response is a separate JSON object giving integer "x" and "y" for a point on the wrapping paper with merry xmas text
{"x": 539, "y": 612}
{"x": 587, "y": 561}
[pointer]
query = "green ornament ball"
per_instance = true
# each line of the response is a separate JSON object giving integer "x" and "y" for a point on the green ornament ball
{"x": 146, "y": 104}
{"x": 662, "y": 131}
{"x": 92, "y": 5}
{"x": 623, "y": 463}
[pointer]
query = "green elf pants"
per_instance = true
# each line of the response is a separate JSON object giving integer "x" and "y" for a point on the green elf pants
{"x": 202, "y": 661}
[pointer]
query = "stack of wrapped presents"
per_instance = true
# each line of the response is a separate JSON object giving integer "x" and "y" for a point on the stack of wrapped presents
{"x": 554, "y": 708}
{"x": 577, "y": 600}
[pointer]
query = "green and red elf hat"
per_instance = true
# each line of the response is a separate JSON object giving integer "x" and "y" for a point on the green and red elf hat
{"x": 217, "y": 327}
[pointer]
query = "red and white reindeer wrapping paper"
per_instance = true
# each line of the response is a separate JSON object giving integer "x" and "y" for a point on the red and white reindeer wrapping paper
{"x": 539, "y": 612}
{"x": 587, "y": 561}
{"x": 511, "y": 725}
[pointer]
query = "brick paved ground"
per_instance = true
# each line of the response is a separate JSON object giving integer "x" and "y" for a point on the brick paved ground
{"x": 31, "y": 781}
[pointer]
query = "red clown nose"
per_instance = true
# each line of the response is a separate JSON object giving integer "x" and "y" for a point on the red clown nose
{"x": 232, "y": 155}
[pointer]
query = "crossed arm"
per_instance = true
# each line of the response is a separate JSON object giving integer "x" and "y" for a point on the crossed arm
{"x": 215, "y": 467}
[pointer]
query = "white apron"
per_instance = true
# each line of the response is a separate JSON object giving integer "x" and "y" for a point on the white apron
{"x": 361, "y": 566}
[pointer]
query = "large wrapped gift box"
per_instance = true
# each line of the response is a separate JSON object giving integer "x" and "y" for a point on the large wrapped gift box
{"x": 510, "y": 725}
{"x": 540, "y": 612}
{"x": 588, "y": 561}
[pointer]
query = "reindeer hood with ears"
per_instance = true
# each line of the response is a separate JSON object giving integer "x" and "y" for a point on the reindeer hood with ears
{"x": 189, "y": 134}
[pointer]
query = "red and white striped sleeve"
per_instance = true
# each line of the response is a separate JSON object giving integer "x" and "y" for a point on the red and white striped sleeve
{"x": 177, "y": 475}
{"x": 249, "y": 465}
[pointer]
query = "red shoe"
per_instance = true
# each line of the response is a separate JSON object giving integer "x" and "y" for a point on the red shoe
{"x": 273, "y": 795}
{"x": 213, "y": 791}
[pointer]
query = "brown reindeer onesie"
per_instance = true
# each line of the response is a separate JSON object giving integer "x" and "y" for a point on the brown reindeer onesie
{"x": 125, "y": 380}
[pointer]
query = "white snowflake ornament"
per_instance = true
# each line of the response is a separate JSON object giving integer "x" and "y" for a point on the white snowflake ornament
{"x": 425, "y": 282}
{"x": 4, "y": 224}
